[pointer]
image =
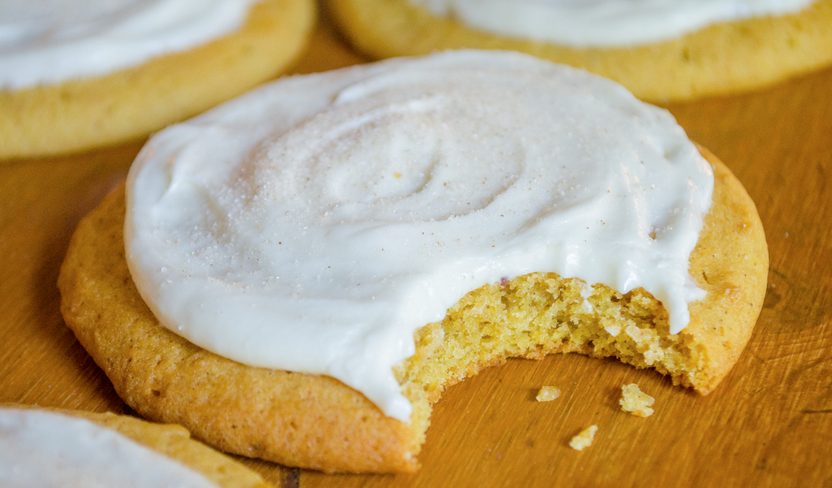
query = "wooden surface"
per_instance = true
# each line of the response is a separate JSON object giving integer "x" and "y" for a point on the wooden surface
{"x": 768, "y": 424}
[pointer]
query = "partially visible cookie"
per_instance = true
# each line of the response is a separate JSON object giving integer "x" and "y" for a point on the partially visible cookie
{"x": 724, "y": 58}
{"x": 317, "y": 422}
{"x": 171, "y": 440}
{"x": 82, "y": 114}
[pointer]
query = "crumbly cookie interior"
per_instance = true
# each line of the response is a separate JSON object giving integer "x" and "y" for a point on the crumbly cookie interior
{"x": 540, "y": 313}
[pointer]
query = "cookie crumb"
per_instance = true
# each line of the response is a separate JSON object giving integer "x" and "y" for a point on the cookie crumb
{"x": 548, "y": 393}
{"x": 635, "y": 401}
{"x": 584, "y": 439}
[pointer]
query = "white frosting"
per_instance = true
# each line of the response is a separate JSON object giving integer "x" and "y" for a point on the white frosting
{"x": 315, "y": 223}
{"x": 43, "y": 449}
{"x": 51, "y": 41}
{"x": 585, "y": 23}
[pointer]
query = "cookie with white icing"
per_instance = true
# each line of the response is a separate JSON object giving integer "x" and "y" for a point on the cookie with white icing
{"x": 55, "y": 447}
{"x": 84, "y": 79}
{"x": 734, "y": 53}
{"x": 307, "y": 418}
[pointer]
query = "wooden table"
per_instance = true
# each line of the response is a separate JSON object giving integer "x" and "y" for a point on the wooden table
{"x": 768, "y": 424}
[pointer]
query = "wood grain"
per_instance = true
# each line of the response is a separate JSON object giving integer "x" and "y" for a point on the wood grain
{"x": 768, "y": 424}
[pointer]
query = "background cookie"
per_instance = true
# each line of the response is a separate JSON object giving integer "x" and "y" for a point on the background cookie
{"x": 317, "y": 422}
{"x": 172, "y": 441}
{"x": 86, "y": 113}
{"x": 723, "y": 58}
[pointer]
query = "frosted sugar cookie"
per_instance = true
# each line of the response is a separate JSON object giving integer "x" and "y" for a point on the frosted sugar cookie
{"x": 77, "y": 75}
{"x": 51, "y": 447}
{"x": 298, "y": 274}
{"x": 659, "y": 50}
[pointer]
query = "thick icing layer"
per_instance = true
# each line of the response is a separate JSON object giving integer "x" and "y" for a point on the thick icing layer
{"x": 314, "y": 224}
{"x": 40, "y": 449}
{"x": 51, "y": 41}
{"x": 584, "y": 23}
